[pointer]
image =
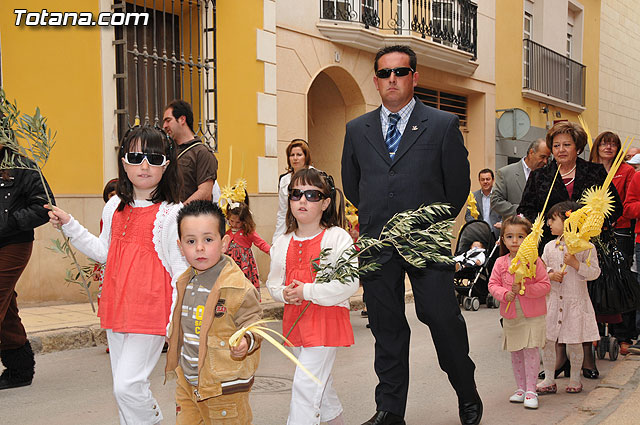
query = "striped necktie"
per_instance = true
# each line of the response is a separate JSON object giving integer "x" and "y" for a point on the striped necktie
{"x": 393, "y": 134}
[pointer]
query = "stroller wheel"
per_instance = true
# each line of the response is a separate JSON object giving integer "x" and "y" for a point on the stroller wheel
{"x": 466, "y": 303}
{"x": 489, "y": 301}
{"x": 614, "y": 349}
{"x": 603, "y": 346}
{"x": 475, "y": 303}
{"x": 492, "y": 302}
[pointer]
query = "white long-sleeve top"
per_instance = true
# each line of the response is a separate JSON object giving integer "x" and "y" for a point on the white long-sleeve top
{"x": 283, "y": 205}
{"x": 334, "y": 293}
{"x": 165, "y": 237}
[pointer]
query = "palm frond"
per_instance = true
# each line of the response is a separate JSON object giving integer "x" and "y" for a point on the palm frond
{"x": 421, "y": 236}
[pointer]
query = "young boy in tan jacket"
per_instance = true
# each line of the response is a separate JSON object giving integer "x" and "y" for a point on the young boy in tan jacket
{"x": 214, "y": 299}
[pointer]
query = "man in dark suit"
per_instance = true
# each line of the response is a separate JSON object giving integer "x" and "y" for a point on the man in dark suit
{"x": 483, "y": 202}
{"x": 399, "y": 157}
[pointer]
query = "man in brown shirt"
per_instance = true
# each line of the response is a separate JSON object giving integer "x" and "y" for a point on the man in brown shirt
{"x": 196, "y": 162}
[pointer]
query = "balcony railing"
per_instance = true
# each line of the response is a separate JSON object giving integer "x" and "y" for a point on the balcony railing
{"x": 548, "y": 72}
{"x": 450, "y": 22}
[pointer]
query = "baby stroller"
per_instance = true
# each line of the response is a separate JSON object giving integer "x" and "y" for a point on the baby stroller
{"x": 471, "y": 282}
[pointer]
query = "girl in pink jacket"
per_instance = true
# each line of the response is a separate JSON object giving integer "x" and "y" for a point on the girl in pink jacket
{"x": 524, "y": 325}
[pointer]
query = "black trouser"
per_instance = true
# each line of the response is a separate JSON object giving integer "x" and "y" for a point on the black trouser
{"x": 13, "y": 260}
{"x": 626, "y": 330}
{"x": 436, "y": 306}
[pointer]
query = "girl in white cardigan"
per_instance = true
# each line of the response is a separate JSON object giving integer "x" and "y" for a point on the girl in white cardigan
{"x": 138, "y": 242}
{"x": 313, "y": 224}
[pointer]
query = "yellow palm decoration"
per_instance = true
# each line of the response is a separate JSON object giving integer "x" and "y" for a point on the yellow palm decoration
{"x": 586, "y": 223}
{"x": 584, "y": 125}
{"x": 351, "y": 213}
{"x": 523, "y": 264}
{"x": 239, "y": 190}
{"x": 226, "y": 197}
{"x": 473, "y": 206}
{"x": 263, "y": 331}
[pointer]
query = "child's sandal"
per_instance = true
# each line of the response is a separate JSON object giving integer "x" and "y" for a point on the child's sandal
{"x": 550, "y": 389}
{"x": 517, "y": 397}
{"x": 531, "y": 400}
{"x": 574, "y": 390}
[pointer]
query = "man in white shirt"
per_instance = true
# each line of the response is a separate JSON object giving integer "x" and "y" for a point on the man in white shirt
{"x": 511, "y": 179}
{"x": 483, "y": 201}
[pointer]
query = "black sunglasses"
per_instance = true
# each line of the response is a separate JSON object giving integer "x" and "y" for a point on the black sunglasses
{"x": 136, "y": 158}
{"x": 312, "y": 195}
{"x": 400, "y": 72}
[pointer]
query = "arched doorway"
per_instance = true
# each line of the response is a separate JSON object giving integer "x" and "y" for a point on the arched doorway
{"x": 333, "y": 99}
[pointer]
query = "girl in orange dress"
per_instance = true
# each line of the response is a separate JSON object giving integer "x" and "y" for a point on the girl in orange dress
{"x": 138, "y": 244}
{"x": 242, "y": 235}
{"x": 314, "y": 223}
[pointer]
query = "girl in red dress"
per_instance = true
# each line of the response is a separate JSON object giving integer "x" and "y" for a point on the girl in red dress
{"x": 242, "y": 234}
{"x": 138, "y": 244}
{"x": 314, "y": 223}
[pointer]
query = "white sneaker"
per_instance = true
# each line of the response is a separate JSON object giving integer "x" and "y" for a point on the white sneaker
{"x": 531, "y": 400}
{"x": 517, "y": 397}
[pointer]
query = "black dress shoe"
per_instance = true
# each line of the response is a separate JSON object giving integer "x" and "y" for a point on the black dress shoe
{"x": 470, "y": 412}
{"x": 566, "y": 368}
{"x": 590, "y": 373}
{"x": 385, "y": 418}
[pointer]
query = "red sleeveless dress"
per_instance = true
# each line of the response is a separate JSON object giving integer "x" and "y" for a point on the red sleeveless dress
{"x": 319, "y": 325}
{"x": 136, "y": 291}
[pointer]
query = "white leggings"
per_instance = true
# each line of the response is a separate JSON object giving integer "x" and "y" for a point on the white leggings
{"x": 312, "y": 403}
{"x": 575, "y": 355}
{"x": 133, "y": 357}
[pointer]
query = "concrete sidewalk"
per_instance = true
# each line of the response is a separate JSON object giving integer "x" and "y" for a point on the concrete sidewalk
{"x": 65, "y": 327}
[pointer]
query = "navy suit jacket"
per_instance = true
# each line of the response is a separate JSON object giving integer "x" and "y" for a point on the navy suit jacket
{"x": 429, "y": 166}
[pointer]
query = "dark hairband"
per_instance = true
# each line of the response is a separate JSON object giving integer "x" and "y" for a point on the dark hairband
{"x": 160, "y": 129}
{"x": 329, "y": 180}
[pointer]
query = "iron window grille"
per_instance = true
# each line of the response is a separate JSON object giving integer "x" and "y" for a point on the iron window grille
{"x": 173, "y": 57}
{"x": 553, "y": 74}
{"x": 451, "y": 22}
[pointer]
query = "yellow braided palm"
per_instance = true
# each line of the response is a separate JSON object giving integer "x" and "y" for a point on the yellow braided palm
{"x": 472, "y": 205}
{"x": 572, "y": 231}
{"x": 587, "y": 222}
{"x": 523, "y": 264}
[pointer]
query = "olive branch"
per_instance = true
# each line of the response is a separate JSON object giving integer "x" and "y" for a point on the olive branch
{"x": 37, "y": 143}
{"x": 64, "y": 249}
{"x": 421, "y": 236}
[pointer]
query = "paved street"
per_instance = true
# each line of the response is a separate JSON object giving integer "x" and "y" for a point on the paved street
{"x": 73, "y": 387}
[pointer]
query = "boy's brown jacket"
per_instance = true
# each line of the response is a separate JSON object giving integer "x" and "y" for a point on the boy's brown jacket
{"x": 233, "y": 303}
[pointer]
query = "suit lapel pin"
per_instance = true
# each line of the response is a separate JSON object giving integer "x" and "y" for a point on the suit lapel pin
{"x": 414, "y": 128}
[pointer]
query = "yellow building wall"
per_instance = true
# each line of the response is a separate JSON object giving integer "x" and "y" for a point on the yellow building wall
{"x": 509, "y": 34}
{"x": 58, "y": 69}
{"x": 240, "y": 78}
